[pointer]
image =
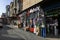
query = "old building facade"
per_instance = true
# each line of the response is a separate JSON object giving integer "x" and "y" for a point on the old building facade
{"x": 11, "y": 9}
{"x": 7, "y": 10}
{"x": 29, "y": 3}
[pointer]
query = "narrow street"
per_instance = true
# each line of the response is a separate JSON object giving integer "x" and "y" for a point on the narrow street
{"x": 8, "y": 33}
{"x": 29, "y": 20}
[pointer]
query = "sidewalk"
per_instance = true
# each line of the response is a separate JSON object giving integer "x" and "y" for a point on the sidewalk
{"x": 28, "y": 33}
{"x": 12, "y": 26}
{"x": 31, "y": 36}
{"x": 52, "y": 38}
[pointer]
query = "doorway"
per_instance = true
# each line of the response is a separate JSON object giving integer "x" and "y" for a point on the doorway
{"x": 59, "y": 24}
{"x": 50, "y": 26}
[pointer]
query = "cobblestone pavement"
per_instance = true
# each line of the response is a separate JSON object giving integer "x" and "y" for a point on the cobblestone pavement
{"x": 8, "y": 33}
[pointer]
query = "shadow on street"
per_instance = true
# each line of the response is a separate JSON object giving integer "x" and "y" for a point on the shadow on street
{"x": 52, "y": 36}
{"x": 3, "y": 31}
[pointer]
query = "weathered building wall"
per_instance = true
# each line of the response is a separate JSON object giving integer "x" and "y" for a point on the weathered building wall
{"x": 28, "y": 3}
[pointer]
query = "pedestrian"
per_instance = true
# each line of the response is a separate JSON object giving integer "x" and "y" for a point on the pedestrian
{"x": 55, "y": 28}
{"x": 43, "y": 30}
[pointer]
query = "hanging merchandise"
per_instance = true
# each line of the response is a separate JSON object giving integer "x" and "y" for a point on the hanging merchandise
{"x": 31, "y": 26}
{"x": 20, "y": 15}
{"x": 35, "y": 9}
{"x": 24, "y": 24}
{"x": 38, "y": 8}
{"x": 19, "y": 22}
{"x": 34, "y": 25}
{"x": 31, "y": 10}
{"x": 28, "y": 13}
{"x": 37, "y": 27}
{"x": 55, "y": 27}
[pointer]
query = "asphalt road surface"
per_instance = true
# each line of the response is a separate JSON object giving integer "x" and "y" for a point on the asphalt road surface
{"x": 7, "y": 33}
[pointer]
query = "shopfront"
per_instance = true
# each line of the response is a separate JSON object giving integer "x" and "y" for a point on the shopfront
{"x": 22, "y": 20}
{"x": 52, "y": 9}
{"x": 52, "y": 22}
{"x": 38, "y": 17}
{"x": 51, "y": 25}
{"x": 33, "y": 19}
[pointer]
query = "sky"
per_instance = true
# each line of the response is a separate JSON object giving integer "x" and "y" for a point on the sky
{"x": 3, "y": 4}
